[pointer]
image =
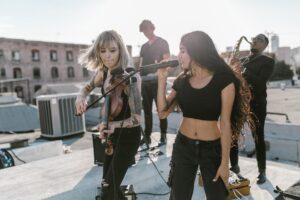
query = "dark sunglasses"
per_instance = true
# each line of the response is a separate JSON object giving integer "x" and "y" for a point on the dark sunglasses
{"x": 258, "y": 39}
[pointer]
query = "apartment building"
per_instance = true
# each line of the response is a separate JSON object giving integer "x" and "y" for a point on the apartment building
{"x": 27, "y": 65}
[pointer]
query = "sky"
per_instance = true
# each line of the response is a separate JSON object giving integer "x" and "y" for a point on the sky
{"x": 81, "y": 21}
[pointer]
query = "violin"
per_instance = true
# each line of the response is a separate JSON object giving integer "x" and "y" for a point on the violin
{"x": 105, "y": 115}
{"x": 113, "y": 105}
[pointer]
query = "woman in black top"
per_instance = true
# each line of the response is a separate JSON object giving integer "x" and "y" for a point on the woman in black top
{"x": 107, "y": 53}
{"x": 208, "y": 92}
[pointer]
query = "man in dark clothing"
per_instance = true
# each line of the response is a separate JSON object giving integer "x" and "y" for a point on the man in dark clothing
{"x": 257, "y": 69}
{"x": 154, "y": 50}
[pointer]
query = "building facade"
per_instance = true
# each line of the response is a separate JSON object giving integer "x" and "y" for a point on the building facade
{"x": 38, "y": 63}
{"x": 284, "y": 54}
{"x": 274, "y": 43}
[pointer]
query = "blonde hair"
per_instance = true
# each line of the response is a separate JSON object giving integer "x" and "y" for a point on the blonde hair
{"x": 90, "y": 57}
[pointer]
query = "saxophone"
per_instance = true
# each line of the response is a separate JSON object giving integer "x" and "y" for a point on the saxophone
{"x": 236, "y": 51}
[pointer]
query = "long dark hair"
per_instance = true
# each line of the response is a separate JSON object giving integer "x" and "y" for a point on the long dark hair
{"x": 202, "y": 50}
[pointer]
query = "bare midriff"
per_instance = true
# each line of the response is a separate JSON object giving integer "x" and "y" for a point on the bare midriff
{"x": 200, "y": 129}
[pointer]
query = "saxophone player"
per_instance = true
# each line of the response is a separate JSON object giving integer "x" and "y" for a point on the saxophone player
{"x": 256, "y": 68}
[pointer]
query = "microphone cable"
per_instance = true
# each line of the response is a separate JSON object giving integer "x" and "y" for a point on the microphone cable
{"x": 156, "y": 168}
{"x": 11, "y": 150}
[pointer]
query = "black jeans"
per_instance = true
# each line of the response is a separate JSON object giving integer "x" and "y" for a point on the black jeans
{"x": 149, "y": 93}
{"x": 187, "y": 155}
{"x": 126, "y": 142}
{"x": 259, "y": 108}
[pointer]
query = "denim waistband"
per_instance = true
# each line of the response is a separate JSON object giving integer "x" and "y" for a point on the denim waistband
{"x": 204, "y": 143}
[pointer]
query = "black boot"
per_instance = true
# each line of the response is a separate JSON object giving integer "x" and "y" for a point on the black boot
{"x": 261, "y": 177}
{"x": 163, "y": 139}
{"x": 235, "y": 169}
{"x": 121, "y": 195}
{"x": 103, "y": 193}
{"x": 146, "y": 140}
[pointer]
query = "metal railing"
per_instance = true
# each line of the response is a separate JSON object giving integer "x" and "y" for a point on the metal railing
{"x": 283, "y": 114}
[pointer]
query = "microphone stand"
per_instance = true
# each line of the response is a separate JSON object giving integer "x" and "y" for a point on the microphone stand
{"x": 149, "y": 68}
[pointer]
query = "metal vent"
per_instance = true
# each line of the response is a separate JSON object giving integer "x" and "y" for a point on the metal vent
{"x": 57, "y": 115}
{"x": 45, "y": 119}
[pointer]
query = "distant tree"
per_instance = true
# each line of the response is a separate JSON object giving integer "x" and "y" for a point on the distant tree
{"x": 298, "y": 71}
{"x": 281, "y": 71}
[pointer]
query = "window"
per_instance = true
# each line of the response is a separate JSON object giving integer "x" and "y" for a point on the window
{"x": 17, "y": 73}
{"x": 2, "y": 73}
{"x": 1, "y": 53}
{"x": 85, "y": 72}
{"x": 53, "y": 55}
{"x": 69, "y": 56}
{"x": 19, "y": 91}
{"x": 71, "y": 72}
{"x": 4, "y": 89}
{"x": 35, "y": 55}
{"x": 36, "y": 73}
{"x": 37, "y": 87}
{"x": 54, "y": 72}
{"x": 15, "y": 55}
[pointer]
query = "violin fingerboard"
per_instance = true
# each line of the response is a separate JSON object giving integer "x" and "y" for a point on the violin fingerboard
{"x": 106, "y": 110}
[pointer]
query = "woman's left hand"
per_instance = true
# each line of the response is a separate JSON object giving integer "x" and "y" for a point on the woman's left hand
{"x": 223, "y": 173}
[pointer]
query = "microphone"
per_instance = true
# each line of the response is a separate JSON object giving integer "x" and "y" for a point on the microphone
{"x": 171, "y": 63}
{"x": 148, "y": 68}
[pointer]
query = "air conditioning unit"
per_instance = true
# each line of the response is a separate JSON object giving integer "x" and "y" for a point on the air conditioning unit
{"x": 57, "y": 116}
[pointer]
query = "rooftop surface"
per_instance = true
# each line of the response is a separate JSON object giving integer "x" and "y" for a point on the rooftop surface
{"x": 75, "y": 176}
{"x": 284, "y": 101}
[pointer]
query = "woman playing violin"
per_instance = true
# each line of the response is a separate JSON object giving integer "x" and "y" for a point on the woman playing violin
{"x": 104, "y": 56}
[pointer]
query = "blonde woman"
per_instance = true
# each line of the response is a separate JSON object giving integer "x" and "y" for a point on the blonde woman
{"x": 106, "y": 54}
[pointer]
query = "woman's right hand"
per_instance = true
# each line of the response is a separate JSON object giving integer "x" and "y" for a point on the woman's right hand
{"x": 80, "y": 105}
{"x": 163, "y": 73}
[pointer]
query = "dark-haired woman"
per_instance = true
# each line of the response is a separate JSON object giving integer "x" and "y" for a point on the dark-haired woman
{"x": 208, "y": 92}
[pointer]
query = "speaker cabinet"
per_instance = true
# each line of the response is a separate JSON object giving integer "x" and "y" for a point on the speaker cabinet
{"x": 99, "y": 150}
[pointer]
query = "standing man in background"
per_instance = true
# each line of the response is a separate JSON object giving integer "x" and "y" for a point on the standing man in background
{"x": 258, "y": 68}
{"x": 153, "y": 51}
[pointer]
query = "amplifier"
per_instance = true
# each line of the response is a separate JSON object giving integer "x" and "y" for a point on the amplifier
{"x": 99, "y": 150}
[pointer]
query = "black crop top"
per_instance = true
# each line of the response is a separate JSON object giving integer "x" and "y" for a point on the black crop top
{"x": 204, "y": 103}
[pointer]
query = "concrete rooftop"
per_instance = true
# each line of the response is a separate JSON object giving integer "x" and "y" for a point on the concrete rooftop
{"x": 74, "y": 176}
